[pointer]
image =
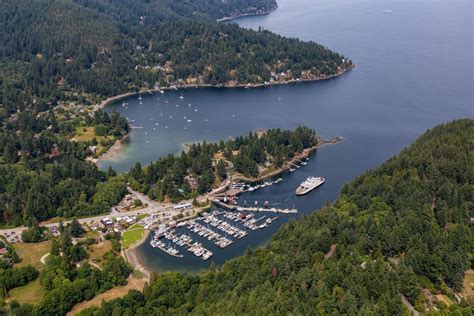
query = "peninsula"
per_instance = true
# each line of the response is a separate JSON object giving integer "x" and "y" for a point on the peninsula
{"x": 371, "y": 234}
{"x": 80, "y": 53}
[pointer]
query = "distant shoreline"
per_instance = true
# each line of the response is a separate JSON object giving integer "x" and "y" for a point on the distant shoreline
{"x": 233, "y": 17}
{"x": 116, "y": 148}
{"x": 119, "y": 97}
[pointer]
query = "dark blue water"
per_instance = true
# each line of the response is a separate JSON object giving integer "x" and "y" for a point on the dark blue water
{"x": 414, "y": 70}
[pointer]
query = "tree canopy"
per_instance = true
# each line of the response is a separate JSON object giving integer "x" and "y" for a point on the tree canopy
{"x": 393, "y": 231}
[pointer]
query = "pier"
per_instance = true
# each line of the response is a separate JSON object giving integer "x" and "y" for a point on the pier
{"x": 184, "y": 241}
{"x": 218, "y": 227}
{"x": 253, "y": 209}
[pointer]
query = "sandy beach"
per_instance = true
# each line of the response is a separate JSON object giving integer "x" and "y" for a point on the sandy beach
{"x": 131, "y": 256}
{"x": 114, "y": 151}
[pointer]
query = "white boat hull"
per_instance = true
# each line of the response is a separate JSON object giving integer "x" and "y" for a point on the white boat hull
{"x": 309, "y": 185}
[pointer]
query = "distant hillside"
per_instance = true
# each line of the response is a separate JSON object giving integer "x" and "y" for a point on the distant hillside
{"x": 83, "y": 50}
{"x": 58, "y": 56}
{"x": 149, "y": 12}
{"x": 396, "y": 230}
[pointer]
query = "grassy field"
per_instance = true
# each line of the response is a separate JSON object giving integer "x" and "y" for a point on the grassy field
{"x": 134, "y": 283}
{"x": 92, "y": 234}
{"x": 32, "y": 293}
{"x": 142, "y": 216}
{"x": 86, "y": 134}
{"x": 96, "y": 252}
{"x": 32, "y": 253}
{"x": 132, "y": 235}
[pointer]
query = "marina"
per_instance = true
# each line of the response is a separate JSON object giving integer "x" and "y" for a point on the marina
{"x": 221, "y": 228}
{"x": 364, "y": 106}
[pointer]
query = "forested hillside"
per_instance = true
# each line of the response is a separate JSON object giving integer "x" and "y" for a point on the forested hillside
{"x": 150, "y": 12}
{"x": 79, "y": 51}
{"x": 396, "y": 230}
{"x": 204, "y": 166}
{"x": 57, "y": 58}
{"x": 43, "y": 173}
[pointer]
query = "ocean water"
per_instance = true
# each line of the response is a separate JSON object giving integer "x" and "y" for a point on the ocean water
{"x": 414, "y": 69}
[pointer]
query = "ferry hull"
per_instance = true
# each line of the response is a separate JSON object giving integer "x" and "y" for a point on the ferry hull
{"x": 301, "y": 190}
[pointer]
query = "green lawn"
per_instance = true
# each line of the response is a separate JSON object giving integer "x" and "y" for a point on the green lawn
{"x": 32, "y": 293}
{"x": 142, "y": 216}
{"x": 132, "y": 235}
{"x": 85, "y": 134}
{"x": 31, "y": 253}
{"x": 96, "y": 252}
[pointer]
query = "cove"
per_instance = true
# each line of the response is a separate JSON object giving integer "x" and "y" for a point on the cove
{"x": 413, "y": 70}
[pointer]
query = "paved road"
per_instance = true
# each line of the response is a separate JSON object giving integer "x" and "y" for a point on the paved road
{"x": 19, "y": 229}
{"x": 152, "y": 208}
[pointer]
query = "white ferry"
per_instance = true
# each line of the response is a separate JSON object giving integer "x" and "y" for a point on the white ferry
{"x": 309, "y": 184}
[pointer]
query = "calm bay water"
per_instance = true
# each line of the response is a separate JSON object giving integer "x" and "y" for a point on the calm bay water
{"x": 414, "y": 70}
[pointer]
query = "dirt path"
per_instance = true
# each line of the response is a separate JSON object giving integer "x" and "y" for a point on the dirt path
{"x": 43, "y": 258}
{"x": 116, "y": 292}
{"x": 409, "y": 306}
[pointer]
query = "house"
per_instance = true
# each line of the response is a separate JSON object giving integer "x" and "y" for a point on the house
{"x": 191, "y": 182}
{"x": 54, "y": 230}
{"x": 182, "y": 206}
{"x": 118, "y": 227}
{"x": 94, "y": 226}
{"x": 107, "y": 221}
{"x": 129, "y": 220}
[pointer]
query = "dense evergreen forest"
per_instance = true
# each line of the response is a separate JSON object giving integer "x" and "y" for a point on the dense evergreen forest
{"x": 43, "y": 173}
{"x": 204, "y": 166}
{"x": 79, "y": 51}
{"x": 396, "y": 230}
{"x": 151, "y": 12}
{"x": 59, "y": 57}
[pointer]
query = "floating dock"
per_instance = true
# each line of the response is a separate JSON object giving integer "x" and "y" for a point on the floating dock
{"x": 231, "y": 224}
{"x": 254, "y": 209}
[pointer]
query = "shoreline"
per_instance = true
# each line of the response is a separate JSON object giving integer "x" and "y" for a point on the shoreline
{"x": 233, "y": 17}
{"x": 112, "y": 152}
{"x": 117, "y": 146}
{"x": 130, "y": 255}
{"x": 119, "y": 97}
{"x": 287, "y": 166}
